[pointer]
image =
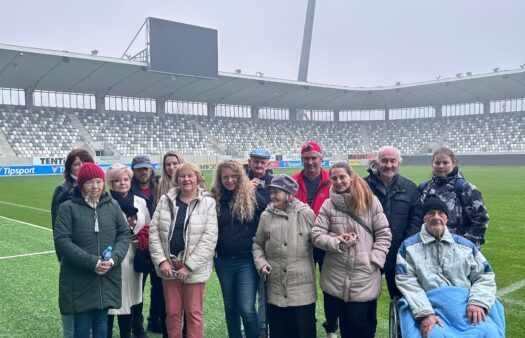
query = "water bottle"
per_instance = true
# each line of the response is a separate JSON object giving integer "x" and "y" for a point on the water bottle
{"x": 106, "y": 255}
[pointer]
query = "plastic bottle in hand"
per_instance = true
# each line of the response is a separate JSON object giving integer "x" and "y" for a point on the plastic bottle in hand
{"x": 106, "y": 255}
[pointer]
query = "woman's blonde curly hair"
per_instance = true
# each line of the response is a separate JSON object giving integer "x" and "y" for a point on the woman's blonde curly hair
{"x": 243, "y": 202}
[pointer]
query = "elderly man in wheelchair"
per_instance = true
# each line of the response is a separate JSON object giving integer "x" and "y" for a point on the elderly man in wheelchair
{"x": 448, "y": 286}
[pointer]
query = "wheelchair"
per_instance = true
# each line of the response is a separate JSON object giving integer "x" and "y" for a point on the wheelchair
{"x": 394, "y": 325}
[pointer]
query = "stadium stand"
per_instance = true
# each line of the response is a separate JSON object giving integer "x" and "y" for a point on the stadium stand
{"x": 131, "y": 134}
{"x": 411, "y": 136}
{"x": 51, "y": 132}
{"x": 43, "y": 131}
{"x": 483, "y": 134}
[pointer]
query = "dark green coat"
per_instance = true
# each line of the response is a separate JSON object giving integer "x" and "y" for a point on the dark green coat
{"x": 80, "y": 287}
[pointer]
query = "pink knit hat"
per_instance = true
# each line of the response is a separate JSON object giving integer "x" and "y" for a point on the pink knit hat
{"x": 89, "y": 171}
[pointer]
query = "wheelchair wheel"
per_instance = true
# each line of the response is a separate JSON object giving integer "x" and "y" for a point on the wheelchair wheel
{"x": 394, "y": 329}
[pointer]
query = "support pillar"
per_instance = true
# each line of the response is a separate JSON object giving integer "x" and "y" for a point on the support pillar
{"x": 160, "y": 107}
{"x": 28, "y": 96}
{"x": 439, "y": 111}
{"x": 210, "y": 109}
{"x": 293, "y": 114}
{"x": 486, "y": 107}
{"x": 100, "y": 103}
{"x": 254, "y": 111}
{"x": 336, "y": 115}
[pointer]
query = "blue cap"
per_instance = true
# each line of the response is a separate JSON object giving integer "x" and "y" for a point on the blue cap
{"x": 260, "y": 152}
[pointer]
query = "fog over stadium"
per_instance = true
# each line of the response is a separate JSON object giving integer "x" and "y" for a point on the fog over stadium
{"x": 355, "y": 43}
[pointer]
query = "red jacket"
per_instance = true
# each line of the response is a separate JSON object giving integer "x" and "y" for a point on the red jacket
{"x": 323, "y": 190}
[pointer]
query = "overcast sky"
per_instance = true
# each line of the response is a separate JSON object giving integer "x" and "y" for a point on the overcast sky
{"x": 355, "y": 42}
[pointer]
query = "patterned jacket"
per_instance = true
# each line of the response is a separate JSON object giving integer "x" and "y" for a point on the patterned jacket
{"x": 424, "y": 263}
{"x": 468, "y": 216}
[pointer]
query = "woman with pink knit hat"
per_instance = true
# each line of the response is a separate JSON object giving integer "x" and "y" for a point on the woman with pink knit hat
{"x": 85, "y": 228}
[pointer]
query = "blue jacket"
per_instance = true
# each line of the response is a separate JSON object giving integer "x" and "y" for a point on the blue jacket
{"x": 425, "y": 263}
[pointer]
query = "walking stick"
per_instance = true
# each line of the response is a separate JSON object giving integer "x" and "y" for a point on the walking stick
{"x": 266, "y": 327}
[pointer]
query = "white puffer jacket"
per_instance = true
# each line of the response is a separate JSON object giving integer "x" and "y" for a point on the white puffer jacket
{"x": 352, "y": 274}
{"x": 200, "y": 234}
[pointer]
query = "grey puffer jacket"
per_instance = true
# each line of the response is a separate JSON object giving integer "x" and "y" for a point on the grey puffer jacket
{"x": 352, "y": 274}
{"x": 425, "y": 263}
{"x": 200, "y": 234}
{"x": 284, "y": 241}
{"x": 468, "y": 216}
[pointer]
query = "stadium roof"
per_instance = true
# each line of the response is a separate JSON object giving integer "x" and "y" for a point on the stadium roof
{"x": 63, "y": 71}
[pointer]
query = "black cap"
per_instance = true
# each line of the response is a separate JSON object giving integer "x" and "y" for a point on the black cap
{"x": 141, "y": 161}
{"x": 434, "y": 203}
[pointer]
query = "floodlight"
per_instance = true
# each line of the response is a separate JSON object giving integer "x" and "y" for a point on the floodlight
{"x": 495, "y": 70}
{"x": 260, "y": 74}
{"x": 438, "y": 77}
{"x": 398, "y": 83}
{"x": 522, "y": 66}
{"x": 238, "y": 71}
{"x": 94, "y": 52}
{"x": 459, "y": 75}
{"x": 469, "y": 73}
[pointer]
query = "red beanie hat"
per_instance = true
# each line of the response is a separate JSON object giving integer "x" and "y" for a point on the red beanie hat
{"x": 89, "y": 171}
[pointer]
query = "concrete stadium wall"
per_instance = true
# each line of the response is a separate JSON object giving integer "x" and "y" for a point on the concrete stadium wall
{"x": 471, "y": 159}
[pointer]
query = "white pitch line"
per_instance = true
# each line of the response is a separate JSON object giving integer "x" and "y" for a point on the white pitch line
{"x": 511, "y": 288}
{"x": 21, "y": 222}
{"x": 26, "y": 206}
{"x": 515, "y": 302}
{"x": 28, "y": 255}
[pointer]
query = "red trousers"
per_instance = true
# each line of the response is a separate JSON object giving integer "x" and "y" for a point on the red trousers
{"x": 183, "y": 298}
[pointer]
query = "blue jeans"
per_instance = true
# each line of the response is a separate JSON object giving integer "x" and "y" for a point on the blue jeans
{"x": 261, "y": 308}
{"x": 239, "y": 282}
{"x": 94, "y": 321}
{"x": 68, "y": 325}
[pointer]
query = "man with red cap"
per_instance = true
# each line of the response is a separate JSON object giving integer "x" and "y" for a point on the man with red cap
{"x": 314, "y": 189}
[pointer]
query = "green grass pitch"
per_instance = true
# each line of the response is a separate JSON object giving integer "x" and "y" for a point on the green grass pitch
{"x": 29, "y": 284}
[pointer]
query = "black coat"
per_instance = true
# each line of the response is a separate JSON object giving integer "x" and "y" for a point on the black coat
{"x": 402, "y": 209}
{"x": 263, "y": 190}
{"x": 64, "y": 192}
{"x": 236, "y": 238}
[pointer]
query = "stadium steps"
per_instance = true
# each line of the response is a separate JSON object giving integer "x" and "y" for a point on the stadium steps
{"x": 260, "y": 139}
{"x": 443, "y": 139}
{"x": 363, "y": 132}
{"x": 211, "y": 142}
{"x": 5, "y": 147}
{"x": 88, "y": 140}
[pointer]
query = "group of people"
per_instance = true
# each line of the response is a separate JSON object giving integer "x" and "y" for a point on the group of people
{"x": 264, "y": 234}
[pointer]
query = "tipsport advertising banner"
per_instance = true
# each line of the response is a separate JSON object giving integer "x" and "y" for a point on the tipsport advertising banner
{"x": 36, "y": 170}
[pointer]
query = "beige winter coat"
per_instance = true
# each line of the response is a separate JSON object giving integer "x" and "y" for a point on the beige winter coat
{"x": 131, "y": 279}
{"x": 283, "y": 240}
{"x": 200, "y": 235}
{"x": 351, "y": 274}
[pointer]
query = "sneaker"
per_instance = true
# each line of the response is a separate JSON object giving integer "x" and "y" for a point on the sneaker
{"x": 331, "y": 335}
